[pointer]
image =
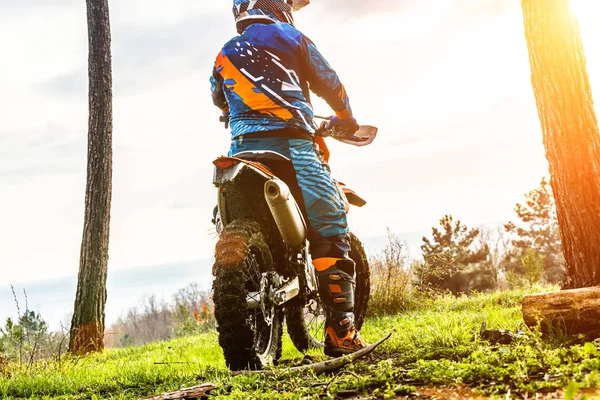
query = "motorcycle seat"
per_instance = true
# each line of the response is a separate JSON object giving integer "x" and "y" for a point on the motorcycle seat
{"x": 262, "y": 156}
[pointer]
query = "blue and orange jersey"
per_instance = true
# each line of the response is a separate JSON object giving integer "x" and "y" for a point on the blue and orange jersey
{"x": 263, "y": 78}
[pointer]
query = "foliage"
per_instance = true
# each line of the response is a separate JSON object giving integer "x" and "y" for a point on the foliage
{"x": 190, "y": 312}
{"x": 532, "y": 264}
{"x": 434, "y": 344}
{"x": 193, "y": 311}
{"x": 537, "y": 229}
{"x": 391, "y": 277}
{"x": 28, "y": 339}
{"x": 452, "y": 262}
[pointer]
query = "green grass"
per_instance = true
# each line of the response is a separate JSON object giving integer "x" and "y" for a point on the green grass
{"x": 437, "y": 344}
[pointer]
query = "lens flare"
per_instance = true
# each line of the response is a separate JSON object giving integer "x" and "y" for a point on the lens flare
{"x": 587, "y": 12}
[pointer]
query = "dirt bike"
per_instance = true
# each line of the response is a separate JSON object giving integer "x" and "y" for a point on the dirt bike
{"x": 262, "y": 269}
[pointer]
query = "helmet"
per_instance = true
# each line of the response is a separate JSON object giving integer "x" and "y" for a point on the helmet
{"x": 246, "y": 11}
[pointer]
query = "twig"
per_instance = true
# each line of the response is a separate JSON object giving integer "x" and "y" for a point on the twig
{"x": 18, "y": 323}
{"x": 26, "y": 321}
{"x": 16, "y": 301}
{"x": 62, "y": 341}
{"x": 194, "y": 392}
{"x": 26, "y": 301}
{"x": 32, "y": 355}
{"x": 321, "y": 367}
{"x": 172, "y": 362}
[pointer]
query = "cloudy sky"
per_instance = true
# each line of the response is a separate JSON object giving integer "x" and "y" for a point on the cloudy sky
{"x": 446, "y": 82}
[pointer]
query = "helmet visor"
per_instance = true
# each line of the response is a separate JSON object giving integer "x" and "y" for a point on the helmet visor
{"x": 298, "y": 4}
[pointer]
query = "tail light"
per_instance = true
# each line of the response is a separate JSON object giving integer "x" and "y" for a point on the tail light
{"x": 225, "y": 162}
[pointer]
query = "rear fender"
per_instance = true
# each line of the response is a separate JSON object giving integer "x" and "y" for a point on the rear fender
{"x": 227, "y": 171}
{"x": 228, "y": 168}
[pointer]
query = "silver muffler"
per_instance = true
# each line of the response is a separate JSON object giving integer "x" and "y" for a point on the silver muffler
{"x": 286, "y": 212}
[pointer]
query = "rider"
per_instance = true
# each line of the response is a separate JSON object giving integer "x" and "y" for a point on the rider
{"x": 261, "y": 82}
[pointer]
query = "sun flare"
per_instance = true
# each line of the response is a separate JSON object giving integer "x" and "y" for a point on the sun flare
{"x": 587, "y": 12}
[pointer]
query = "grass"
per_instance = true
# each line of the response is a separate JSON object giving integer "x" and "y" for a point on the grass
{"x": 435, "y": 345}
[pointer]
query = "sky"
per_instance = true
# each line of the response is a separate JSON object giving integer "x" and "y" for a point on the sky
{"x": 447, "y": 83}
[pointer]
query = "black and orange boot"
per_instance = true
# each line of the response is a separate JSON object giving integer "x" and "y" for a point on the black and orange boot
{"x": 336, "y": 288}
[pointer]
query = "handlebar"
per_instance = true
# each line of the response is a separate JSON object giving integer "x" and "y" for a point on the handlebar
{"x": 363, "y": 137}
{"x": 225, "y": 120}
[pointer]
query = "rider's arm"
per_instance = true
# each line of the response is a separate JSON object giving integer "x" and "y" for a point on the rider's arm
{"x": 216, "y": 83}
{"x": 324, "y": 81}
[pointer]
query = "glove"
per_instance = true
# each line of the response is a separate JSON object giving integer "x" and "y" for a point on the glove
{"x": 345, "y": 127}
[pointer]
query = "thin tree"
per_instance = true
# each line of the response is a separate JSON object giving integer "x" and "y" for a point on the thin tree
{"x": 87, "y": 326}
{"x": 570, "y": 129}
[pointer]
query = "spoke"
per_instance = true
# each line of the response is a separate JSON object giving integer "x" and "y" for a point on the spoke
{"x": 315, "y": 324}
{"x": 256, "y": 317}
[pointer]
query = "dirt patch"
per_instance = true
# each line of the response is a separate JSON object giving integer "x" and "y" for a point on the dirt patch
{"x": 447, "y": 393}
{"x": 464, "y": 393}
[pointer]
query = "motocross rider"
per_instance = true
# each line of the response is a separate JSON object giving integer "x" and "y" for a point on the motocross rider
{"x": 261, "y": 81}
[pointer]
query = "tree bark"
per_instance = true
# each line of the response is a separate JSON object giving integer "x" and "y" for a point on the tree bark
{"x": 570, "y": 130}
{"x": 574, "y": 311}
{"x": 87, "y": 326}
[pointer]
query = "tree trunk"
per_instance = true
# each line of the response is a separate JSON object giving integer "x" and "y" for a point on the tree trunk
{"x": 568, "y": 311}
{"x": 570, "y": 130}
{"x": 87, "y": 326}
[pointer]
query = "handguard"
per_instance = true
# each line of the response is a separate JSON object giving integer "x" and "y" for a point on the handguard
{"x": 364, "y": 136}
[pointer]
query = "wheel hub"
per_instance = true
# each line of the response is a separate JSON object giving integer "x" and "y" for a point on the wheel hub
{"x": 269, "y": 283}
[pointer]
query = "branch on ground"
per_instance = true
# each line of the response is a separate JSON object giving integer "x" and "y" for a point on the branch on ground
{"x": 321, "y": 367}
{"x": 194, "y": 392}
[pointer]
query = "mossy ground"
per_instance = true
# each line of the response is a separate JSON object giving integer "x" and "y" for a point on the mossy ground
{"x": 436, "y": 345}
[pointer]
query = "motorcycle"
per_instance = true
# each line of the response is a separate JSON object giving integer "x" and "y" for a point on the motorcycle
{"x": 262, "y": 269}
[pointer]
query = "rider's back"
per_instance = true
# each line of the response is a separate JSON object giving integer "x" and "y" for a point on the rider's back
{"x": 264, "y": 75}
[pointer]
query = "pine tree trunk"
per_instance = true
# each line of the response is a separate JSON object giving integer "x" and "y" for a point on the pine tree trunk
{"x": 570, "y": 130}
{"x": 87, "y": 326}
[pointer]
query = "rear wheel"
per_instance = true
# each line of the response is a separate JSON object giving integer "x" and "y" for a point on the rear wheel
{"x": 306, "y": 324}
{"x": 250, "y": 335}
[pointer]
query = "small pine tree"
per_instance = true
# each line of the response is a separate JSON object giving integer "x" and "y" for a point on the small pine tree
{"x": 533, "y": 264}
{"x": 537, "y": 230}
{"x": 450, "y": 260}
{"x": 23, "y": 337}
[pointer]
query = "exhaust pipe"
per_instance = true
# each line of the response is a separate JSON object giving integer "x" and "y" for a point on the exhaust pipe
{"x": 286, "y": 212}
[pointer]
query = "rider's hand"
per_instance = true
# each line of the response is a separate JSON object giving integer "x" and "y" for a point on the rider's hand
{"x": 346, "y": 126}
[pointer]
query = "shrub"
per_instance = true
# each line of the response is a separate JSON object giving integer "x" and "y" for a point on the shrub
{"x": 532, "y": 264}
{"x": 453, "y": 259}
{"x": 28, "y": 339}
{"x": 391, "y": 277}
{"x": 190, "y": 312}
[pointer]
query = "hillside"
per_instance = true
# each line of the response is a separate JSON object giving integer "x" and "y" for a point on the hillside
{"x": 434, "y": 347}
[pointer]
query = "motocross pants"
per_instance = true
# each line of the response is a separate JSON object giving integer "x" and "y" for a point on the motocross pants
{"x": 320, "y": 199}
{"x": 323, "y": 207}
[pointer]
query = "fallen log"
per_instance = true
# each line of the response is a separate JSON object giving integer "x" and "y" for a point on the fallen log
{"x": 195, "y": 392}
{"x": 572, "y": 312}
{"x": 321, "y": 367}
